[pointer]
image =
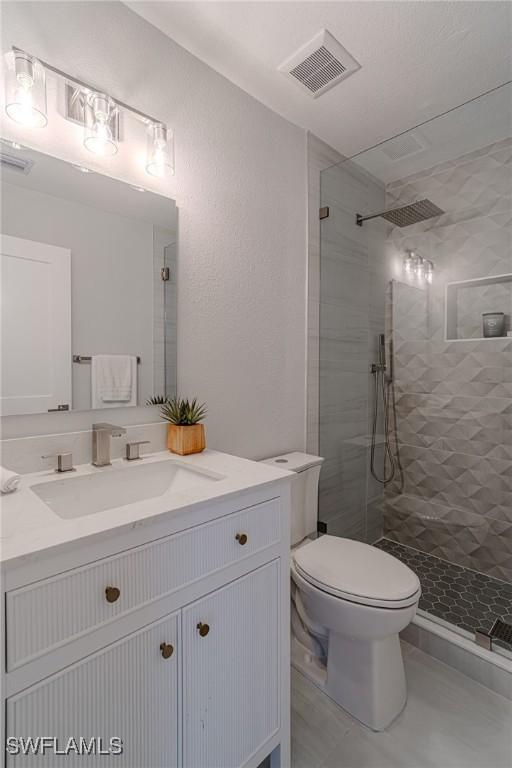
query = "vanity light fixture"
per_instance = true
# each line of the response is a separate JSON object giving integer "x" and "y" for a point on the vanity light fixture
{"x": 420, "y": 267}
{"x": 416, "y": 266}
{"x": 25, "y": 90}
{"x": 99, "y": 124}
{"x": 409, "y": 262}
{"x": 160, "y": 151}
{"x": 97, "y": 111}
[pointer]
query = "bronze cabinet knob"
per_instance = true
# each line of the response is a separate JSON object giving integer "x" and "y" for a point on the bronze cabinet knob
{"x": 203, "y": 629}
{"x": 241, "y": 538}
{"x": 166, "y": 650}
{"x": 112, "y": 594}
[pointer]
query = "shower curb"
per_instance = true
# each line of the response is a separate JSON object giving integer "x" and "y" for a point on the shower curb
{"x": 491, "y": 669}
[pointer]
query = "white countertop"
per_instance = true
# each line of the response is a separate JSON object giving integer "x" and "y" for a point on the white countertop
{"x": 28, "y": 526}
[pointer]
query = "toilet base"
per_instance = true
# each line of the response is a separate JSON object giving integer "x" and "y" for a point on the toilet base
{"x": 376, "y": 668}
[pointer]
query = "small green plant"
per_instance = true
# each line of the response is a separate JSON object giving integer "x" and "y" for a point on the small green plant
{"x": 181, "y": 411}
{"x": 157, "y": 400}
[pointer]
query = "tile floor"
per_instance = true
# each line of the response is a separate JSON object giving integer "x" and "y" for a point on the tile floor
{"x": 449, "y": 722}
{"x": 463, "y": 597}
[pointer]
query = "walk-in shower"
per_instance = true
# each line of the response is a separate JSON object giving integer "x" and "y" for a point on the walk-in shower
{"x": 415, "y": 424}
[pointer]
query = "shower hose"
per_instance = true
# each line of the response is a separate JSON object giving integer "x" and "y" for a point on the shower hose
{"x": 383, "y": 386}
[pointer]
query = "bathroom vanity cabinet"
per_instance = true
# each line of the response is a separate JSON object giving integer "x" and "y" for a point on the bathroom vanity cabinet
{"x": 177, "y": 646}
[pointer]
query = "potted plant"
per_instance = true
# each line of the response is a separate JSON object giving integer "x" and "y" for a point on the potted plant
{"x": 157, "y": 400}
{"x": 184, "y": 433}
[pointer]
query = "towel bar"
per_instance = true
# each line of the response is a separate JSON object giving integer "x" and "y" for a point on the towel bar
{"x": 88, "y": 358}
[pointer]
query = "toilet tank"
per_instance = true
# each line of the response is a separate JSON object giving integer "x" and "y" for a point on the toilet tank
{"x": 304, "y": 511}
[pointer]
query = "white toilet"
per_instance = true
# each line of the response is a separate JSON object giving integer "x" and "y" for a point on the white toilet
{"x": 349, "y": 602}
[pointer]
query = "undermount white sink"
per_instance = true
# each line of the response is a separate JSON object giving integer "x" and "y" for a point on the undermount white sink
{"x": 111, "y": 487}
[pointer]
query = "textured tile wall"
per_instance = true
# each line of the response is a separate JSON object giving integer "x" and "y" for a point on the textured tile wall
{"x": 454, "y": 398}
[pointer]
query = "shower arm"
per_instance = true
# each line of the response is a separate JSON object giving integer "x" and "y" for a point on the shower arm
{"x": 360, "y": 219}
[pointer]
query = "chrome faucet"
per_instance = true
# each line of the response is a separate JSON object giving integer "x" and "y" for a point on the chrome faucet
{"x": 101, "y": 434}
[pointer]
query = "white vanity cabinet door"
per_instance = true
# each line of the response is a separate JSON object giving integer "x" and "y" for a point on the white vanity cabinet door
{"x": 126, "y": 690}
{"x": 231, "y": 671}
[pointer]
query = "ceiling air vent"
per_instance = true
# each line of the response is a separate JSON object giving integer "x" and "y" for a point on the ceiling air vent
{"x": 403, "y": 146}
{"x": 15, "y": 163}
{"x": 319, "y": 65}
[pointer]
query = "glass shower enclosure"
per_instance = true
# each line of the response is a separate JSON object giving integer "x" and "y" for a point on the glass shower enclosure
{"x": 415, "y": 416}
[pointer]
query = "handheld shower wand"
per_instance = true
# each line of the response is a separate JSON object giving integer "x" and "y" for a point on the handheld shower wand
{"x": 384, "y": 385}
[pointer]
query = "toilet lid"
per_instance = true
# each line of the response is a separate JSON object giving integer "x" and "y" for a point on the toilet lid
{"x": 356, "y": 571}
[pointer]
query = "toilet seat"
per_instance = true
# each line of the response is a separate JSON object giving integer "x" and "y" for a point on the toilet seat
{"x": 357, "y": 572}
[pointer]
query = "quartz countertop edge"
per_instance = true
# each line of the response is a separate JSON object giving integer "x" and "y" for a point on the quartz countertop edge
{"x": 29, "y": 528}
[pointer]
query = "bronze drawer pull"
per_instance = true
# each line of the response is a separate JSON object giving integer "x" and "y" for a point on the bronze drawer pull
{"x": 241, "y": 538}
{"x": 203, "y": 629}
{"x": 112, "y": 594}
{"x": 167, "y": 650}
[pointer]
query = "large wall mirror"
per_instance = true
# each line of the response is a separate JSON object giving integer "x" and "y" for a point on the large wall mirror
{"x": 88, "y": 289}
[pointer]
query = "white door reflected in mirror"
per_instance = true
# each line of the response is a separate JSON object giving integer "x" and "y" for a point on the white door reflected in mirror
{"x": 36, "y": 327}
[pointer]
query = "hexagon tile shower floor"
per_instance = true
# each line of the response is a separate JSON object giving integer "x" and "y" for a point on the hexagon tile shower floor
{"x": 465, "y": 598}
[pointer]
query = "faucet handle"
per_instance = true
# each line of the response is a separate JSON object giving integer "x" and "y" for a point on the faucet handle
{"x": 64, "y": 461}
{"x": 133, "y": 449}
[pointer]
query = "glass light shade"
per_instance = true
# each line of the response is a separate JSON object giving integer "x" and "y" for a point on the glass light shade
{"x": 408, "y": 264}
{"x": 100, "y": 125}
{"x": 160, "y": 151}
{"x": 25, "y": 90}
{"x": 429, "y": 272}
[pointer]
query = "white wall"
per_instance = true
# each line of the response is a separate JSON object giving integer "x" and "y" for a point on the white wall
{"x": 241, "y": 188}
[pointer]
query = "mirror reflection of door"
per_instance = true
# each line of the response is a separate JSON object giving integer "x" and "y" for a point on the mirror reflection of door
{"x": 35, "y": 327}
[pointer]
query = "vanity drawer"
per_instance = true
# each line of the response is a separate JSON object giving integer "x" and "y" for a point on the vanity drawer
{"x": 46, "y": 614}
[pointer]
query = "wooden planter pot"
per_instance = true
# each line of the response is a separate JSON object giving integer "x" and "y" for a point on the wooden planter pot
{"x": 185, "y": 440}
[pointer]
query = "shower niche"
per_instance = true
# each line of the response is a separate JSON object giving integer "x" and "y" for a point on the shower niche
{"x": 468, "y": 300}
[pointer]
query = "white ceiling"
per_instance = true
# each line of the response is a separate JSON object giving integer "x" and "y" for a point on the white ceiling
{"x": 417, "y": 59}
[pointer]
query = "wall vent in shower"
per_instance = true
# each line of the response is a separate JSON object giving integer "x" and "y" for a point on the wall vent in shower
{"x": 403, "y": 146}
{"x": 319, "y": 65}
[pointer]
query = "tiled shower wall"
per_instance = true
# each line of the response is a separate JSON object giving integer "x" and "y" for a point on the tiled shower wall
{"x": 454, "y": 398}
{"x": 353, "y": 278}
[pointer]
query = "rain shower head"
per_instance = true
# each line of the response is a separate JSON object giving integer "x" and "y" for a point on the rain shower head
{"x": 406, "y": 214}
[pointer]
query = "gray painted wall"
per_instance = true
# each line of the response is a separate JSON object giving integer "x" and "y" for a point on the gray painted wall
{"x": 240, "y": 187}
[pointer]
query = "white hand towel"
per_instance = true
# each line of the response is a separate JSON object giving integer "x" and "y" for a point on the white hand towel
{"x": 113, "y": 381}
{"x": 9, "y": 481}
